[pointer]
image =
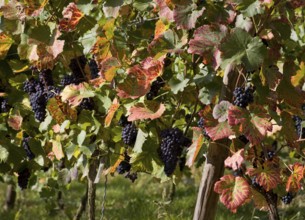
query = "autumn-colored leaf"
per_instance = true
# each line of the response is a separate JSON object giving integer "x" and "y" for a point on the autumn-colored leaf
{"x": 206, "y": 38}
{"x": 254, "y": 124}
{"x": 5, "y": 44}
{"x": 164, "y": 11}
{"x": 71, "y": 17}
{"x": 216, "y": 130}
{"x": 234, "y": 191}
{"x": 109, "y": 67}
{"x": 270, "y": 76}
{"x": 15, "y": 121}
{"x": 61, "y": 111}
{"x": 13, "y": 10}
{"x": 160, "y": 28}
{"x": 294, "y": 180}
{"x": 298, "y": 79}
{"x": 101, "y": 48}
{"x": 186, "y": 16}
{"x": 235, "y": 160}
{"x": 193, "y": 150}
{"x": 267, "y": 175}
{"x": 151, "y": 110}
{"x": 139, "y": 78}
{"x": 34, "y": 7}
{"x": 113, "y": 108}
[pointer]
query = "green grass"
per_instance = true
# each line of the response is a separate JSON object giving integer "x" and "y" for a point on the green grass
{"x": 146, "y": 199}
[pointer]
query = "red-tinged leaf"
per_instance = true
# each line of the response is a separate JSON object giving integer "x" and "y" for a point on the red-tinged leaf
{"x": 109, "y": 67}
{"x": 220, "y": 111}
{"x": 33, "y": 7}
{"x": 61, "y": 111}
{"x": 186, "y": 16}
{"x": 294, "y": 180}
{"x": 236, "y": 160}
{"x": 57, "y": 46}
{"x": 267, "y": 175}
{"x": 164, "y": 11}
{"x": 259, "y": 200}
{"x": 15, "y": 121}
{"x": 193, "y": 150}
{"x": 71, "y": 17}
{"x": 216, "y": 130}
{"x": 139, "y": 78}
{"x": 151, "y": 110}
{"x": 113, "y": 108}
{"x": 206, "y": 38}
{"x": 298, "y": 79}
{"x": 254, "y": 124}
{"x": 234, "y": 191}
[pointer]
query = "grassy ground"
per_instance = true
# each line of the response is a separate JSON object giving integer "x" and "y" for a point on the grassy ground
{"x": 144, "y": 200}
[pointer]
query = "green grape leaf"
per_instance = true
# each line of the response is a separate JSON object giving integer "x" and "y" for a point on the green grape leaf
{"x": 254, "y": 124}
{"x": 141, "y": 138}
{"x": 4, "y": 154}
{"x": 234, "y": 191}
{"x": 240, "y": 48}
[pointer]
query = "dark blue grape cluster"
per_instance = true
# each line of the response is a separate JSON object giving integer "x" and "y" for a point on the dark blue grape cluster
{"x": 93, "y": 69}
{"x": 255, "y": 184}
{"x": 298, "y": 126}
{"x": 238, "y": 172}
{"x": 27, "y": 149}
{"x": 287, "y": 199}
{"x": 243, "y": 97}
{"x": 40, "y": 91}
{"x": 155, "y": 87}
{"x": 23, "y": 178}
{"x": 4, "y": 106}
{"x": 123, "y": 121}
{"x": 172, "y": 143}
{"x": 77, "y": 65}
{"x": 87, "y": 104}
{"x": 124, "y": 165}
{"x": 201, "y": 125}
{"x": 129, "y": 134}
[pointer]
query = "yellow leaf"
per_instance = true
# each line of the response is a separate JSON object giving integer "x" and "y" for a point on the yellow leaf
{"x": 5, "y": 44}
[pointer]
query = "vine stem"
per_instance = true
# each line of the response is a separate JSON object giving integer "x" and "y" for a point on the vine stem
{"x": 104, "y": 197}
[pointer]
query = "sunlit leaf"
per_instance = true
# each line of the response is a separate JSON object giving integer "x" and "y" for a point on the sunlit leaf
{"x": 151, "y": 110}
{"x": 234, "y": 191}
{"x": 294, "y": 180}
{"x": 236, "y": 160}
{"x": 193, "y": 150}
